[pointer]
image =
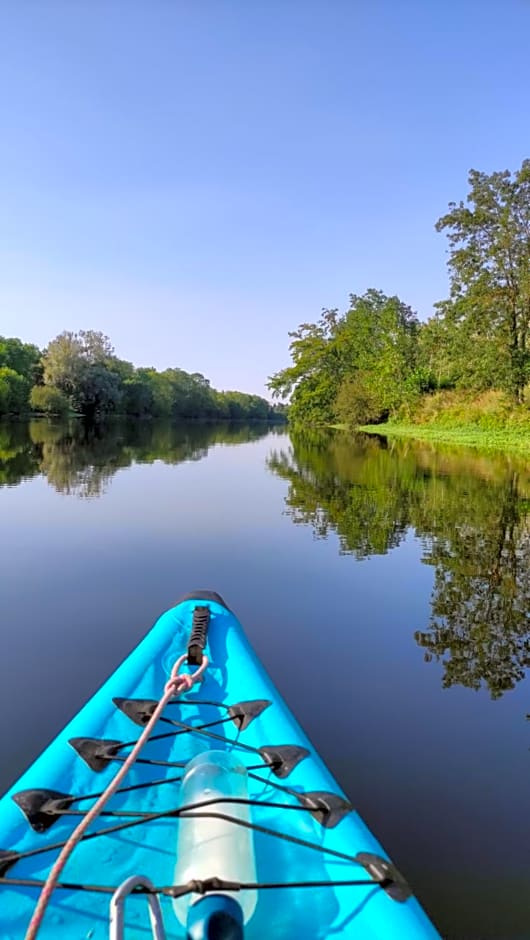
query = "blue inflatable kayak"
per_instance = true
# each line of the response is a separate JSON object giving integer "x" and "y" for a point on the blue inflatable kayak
{"x": 227, "y": 825}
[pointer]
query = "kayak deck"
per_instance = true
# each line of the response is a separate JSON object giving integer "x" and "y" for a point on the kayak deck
{"x": 305, "y": 830}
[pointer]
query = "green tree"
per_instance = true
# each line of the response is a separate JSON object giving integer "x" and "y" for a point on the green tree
{"x": 137, "y": 397}
{"x": 193, "y": 396}
{"x": 14, "y": 389}
{"x": 19, "y": 369}
{"x": 241, "y": 407}
{"x": 23, "y": 358}
{"x": 101, "y": 391}
{"x": 312, "y": 380}
{"x": 80, "y": 366}
{"x": 437, "y": 355}
{"x": 65, "y": 366}
{"x": 489, "y": 307}
{"x": 378, "y": 345}
{"x": 162, "y": 392}
{"x": 49, "y": 400}
{"x": 354, "y": 368}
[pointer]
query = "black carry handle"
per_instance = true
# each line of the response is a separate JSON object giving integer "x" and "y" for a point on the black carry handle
{"x": 199, "y": 632}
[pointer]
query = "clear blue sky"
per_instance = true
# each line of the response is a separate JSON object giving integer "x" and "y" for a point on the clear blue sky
{"x": 196, "y": 178}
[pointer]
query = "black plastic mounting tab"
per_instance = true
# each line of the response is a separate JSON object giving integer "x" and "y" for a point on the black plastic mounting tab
{"x": 327, "y": 808}
{"x": 242, "y": 713}
{"x": 203, "y": 596}
{"x": 7, "y": 859}
{"x": 42, "y": 807}
{"x": 198, "y": 635}
{"x": 138, "y": 710}
{"x": 386, "y": 873}
{"x": 96, "y": 752}
{"x": 283, "y": 758}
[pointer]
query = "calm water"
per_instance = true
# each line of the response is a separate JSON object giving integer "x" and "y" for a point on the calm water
{"x": 402, "y": 572}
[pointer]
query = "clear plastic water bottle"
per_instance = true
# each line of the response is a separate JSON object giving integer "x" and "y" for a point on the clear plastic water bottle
{"x": 206, "y": 847}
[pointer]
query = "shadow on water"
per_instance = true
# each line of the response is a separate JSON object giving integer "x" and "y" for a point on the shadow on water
{"x": 80, "y": 459}
{"x": 472, "y": 515}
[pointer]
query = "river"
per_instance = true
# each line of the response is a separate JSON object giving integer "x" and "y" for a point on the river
{"x": 386, "y": 588}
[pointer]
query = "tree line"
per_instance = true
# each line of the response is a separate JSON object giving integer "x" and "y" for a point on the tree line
{"x": 79, "y": 373}
{"x": 378, "y": 360}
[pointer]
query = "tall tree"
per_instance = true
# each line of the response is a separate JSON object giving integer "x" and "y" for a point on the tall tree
{"x": 313, "y": 379}
{"x": 377, "y": 346}
{"x": 65, "y": 365}
{"x": 352, "y": 368}
{"x": 489, "y": 264}
{"x": 80, "y": 366}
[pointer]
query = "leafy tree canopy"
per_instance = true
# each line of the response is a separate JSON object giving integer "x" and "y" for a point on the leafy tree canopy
{"x": 489, "y": 264}
{"x": 351, "y": 368}
{"x": 23, "y": 358}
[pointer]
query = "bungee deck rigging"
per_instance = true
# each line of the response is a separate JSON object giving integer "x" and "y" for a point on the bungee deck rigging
{"x": 304, "y": 834}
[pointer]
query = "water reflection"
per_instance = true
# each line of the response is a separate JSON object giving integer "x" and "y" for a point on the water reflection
{"x": 472, "y": 513}
{"x": 80, "y": 459}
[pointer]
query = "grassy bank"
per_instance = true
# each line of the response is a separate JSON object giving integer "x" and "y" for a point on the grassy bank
{"x": 487, "y": 421}
{"x": 471, "y": 436}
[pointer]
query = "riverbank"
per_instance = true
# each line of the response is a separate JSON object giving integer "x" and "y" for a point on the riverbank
{"x": 487, "y": 421}
{"x": 515, "y": 440}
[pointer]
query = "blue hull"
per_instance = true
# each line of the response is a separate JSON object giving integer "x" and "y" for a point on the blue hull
{"x": 235, "y": 675}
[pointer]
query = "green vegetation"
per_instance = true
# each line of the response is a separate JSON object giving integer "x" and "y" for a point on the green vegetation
{"x": 45, "y": 399}
{"x": 472, "y": 514}
{"x": 78, "y": 373}
{"x": 19, "y": 370}
{"x": 469, "y": 436}
{"x": 377, "y": 363}
{"x": 352, "y": 368}
{"x": 485, "y": 420}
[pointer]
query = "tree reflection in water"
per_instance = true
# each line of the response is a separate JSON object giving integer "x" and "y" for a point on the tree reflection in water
{"x": 80, "y": 459}
{"x": 472, "y": 514}
{"x": 470, "y": 510}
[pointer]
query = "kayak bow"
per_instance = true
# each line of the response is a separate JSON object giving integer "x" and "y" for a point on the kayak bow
{"x": 227, "y": 816}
